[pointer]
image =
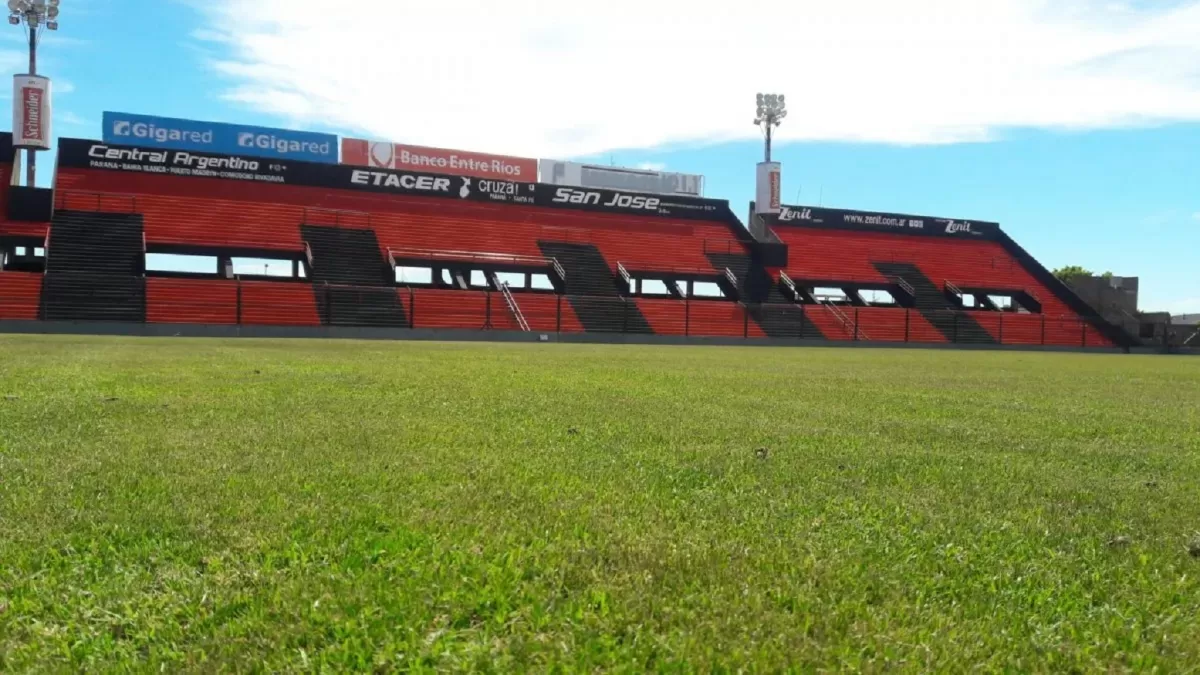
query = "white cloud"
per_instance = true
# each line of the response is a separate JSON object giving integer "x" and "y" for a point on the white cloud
{"x": 71, "y": 119}
{"x": 550, "y": 78}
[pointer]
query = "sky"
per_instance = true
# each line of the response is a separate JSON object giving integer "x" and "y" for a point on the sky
{"x": 1073, "y": 123}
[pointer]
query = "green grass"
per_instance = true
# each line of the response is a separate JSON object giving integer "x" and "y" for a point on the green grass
{"x": 293, "y": 505}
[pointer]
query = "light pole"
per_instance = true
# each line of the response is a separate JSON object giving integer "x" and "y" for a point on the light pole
{"x": 34, "y": 15}
{"x": 772, "y": 109}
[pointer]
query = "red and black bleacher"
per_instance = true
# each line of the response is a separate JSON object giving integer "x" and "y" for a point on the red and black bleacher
{"x": 497, "y": 255}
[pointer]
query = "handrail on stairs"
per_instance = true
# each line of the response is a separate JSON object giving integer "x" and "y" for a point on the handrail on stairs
{"x": 513, "y": 308}
{"x": 623, "y": 273}
{"x": 733, "y": 281}
{"x": 558, "y": 269}
{"x": 903, "y": 283}
{"x": 849, "y": 326}
{"x": 789, "y": 284}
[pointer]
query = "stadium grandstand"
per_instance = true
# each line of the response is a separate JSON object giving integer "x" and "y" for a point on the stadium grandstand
{"x": 144, "y": 235}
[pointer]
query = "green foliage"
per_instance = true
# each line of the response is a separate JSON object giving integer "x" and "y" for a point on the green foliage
{"x": 1071, "y": 272}
{"x": 191, "y": 505}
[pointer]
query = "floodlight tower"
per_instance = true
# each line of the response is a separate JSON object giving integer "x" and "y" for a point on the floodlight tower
{"x": 772, "y": 109}
{"x": 35, "y": 16}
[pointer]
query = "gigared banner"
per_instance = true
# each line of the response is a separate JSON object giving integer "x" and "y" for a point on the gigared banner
{"x": 385, "y": 155}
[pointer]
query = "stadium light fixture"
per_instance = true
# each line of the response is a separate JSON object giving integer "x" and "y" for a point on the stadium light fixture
{"x": 36, "y": 16}
{"x": 772, "y": 108}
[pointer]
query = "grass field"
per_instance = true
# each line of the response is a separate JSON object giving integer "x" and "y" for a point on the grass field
{"x": 270, "y": 505}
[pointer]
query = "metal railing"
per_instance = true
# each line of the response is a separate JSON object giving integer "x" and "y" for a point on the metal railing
{"x": 903, "y": 283}
{"x": 851, "y": 327}
{"x": 262, "y": 301}
{"x": 624, "y": 274}
{"x": 789, "y": 284}
{"x": 953, "y": 288}
{"x": 513, "y": 308}
{"x": 315, "y": 215}
{"x": 481, "y": 257}
{"x": 82, "y": 200}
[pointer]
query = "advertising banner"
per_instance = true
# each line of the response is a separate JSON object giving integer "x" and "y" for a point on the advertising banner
{"x": 636, "y": 203}
{"x": 146, "y": 131}
{"x": 31, "y": 112}
{"x": 83, "y": 154}
{"x": 575, "y": 174}
{"x": 76, "y": 153}
{"x": 767, "y": 188}
{"x": 890, "y": 222}
{"x": 386, "y": 155}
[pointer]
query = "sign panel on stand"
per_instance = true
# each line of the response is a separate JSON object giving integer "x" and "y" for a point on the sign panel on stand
{"x": 31, "y": 112}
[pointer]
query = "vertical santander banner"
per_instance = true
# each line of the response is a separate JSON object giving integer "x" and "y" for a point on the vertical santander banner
{"x": 31, "y": 112}
{"x": 387, "y": 155}
{"x": 767, "y": 188}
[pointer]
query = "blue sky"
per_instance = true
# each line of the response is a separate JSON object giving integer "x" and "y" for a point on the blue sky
{"x": 1077, "y": 128}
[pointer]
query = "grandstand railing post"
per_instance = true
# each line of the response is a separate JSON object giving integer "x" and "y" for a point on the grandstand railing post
{"x": 328, "y": 306}
{"x": 687, "y": 316}
{"x": 239, "y": 302}
{"x": 412, "y": 308}
{"x": 907, "y": 317}
{"x": 558, "y": 315}
{"x": 856, "y": 324}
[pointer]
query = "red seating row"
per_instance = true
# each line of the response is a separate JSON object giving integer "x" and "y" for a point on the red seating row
{"x": 817, "y": 253}
{"x": 20, "y": 295}
{"x": 698, "y": 318}
{"x": 278, "y": 303}
{"x": 268, "y": 217}
{"x": 208, "y": 301}
{"x": 216, "y": 302}
{"x": 191, "y": 301}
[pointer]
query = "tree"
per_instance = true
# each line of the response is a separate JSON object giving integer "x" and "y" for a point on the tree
{"x": 1071, "y": 272}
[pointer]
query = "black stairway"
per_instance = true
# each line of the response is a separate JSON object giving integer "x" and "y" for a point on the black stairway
{"x": 352, "y": 283}
{"x": 94, "y": 268}
{"x": 592, "y": 290}
{"x": 931, "y": 302}
{"x": 780, "y": 318}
